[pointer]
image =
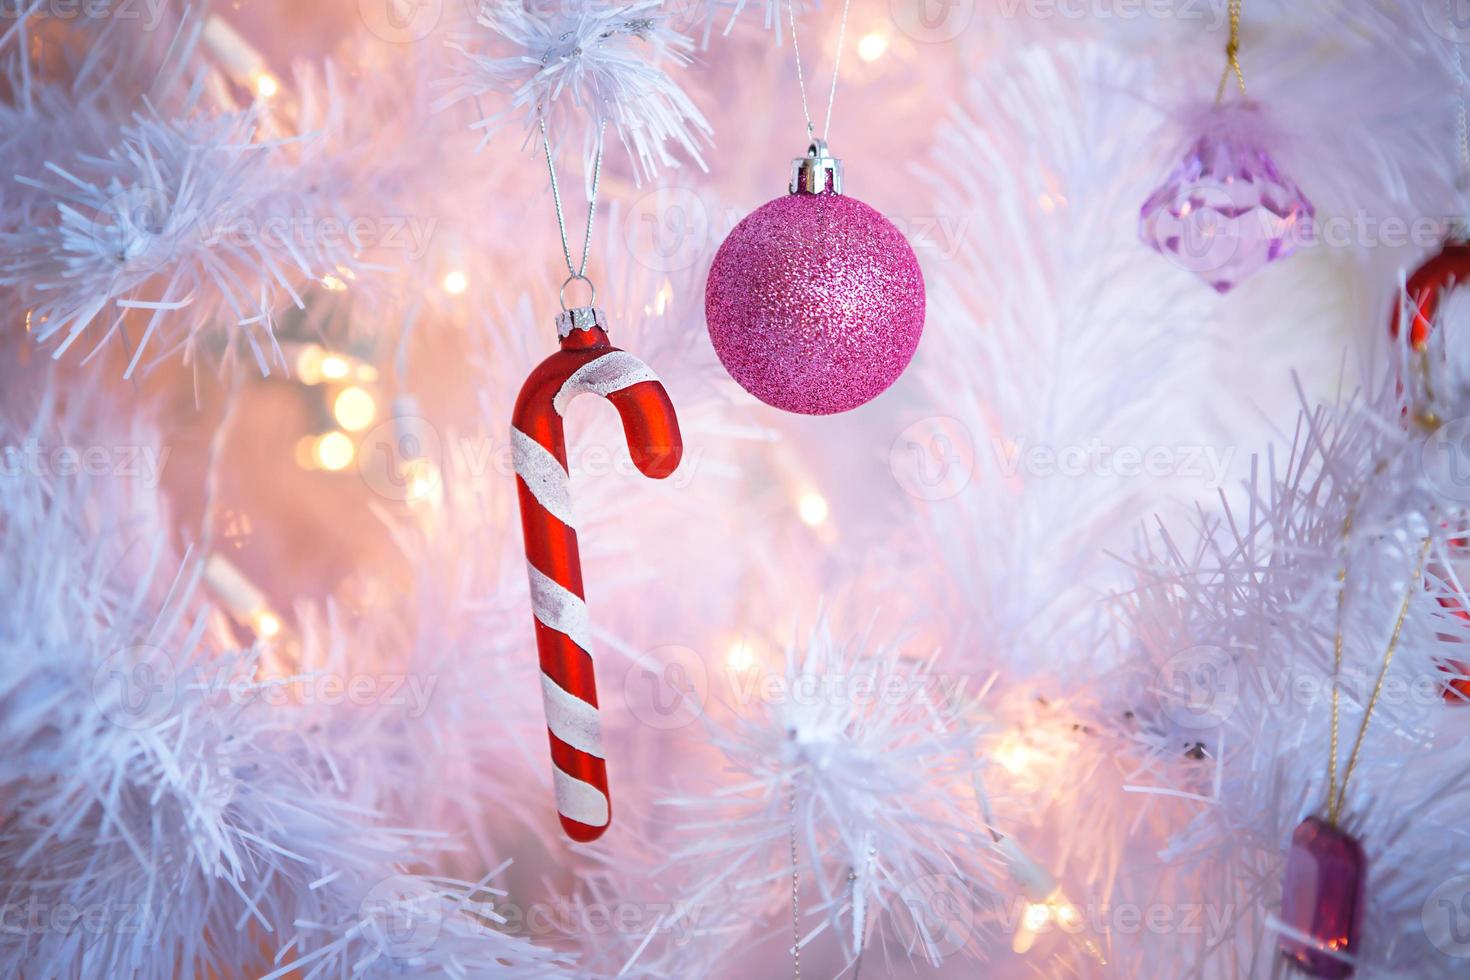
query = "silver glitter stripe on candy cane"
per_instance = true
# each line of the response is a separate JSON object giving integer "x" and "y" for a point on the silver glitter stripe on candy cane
{"x": 571, "y": 719}
{"x": 580, "y": 801}
{"x": 611, "y": 372}
{"x": 544, "y": 475}
{"x": 558, "y": 608}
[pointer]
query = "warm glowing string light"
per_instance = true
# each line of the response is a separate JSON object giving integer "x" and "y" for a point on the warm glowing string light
{"x": 1034, "y": 751}
{"x": 334, "y": 367}
{"x": 354, "y": 409}
{"x": 423, "y": 479}
{"x": 740, "y": 656}
{"x": 1039, "y": 915}
{"x": 1045, "y": 901}
{"x": 237, "y": 57}
{"x": 334, "y": 451}
{"x": 455, "y": 283}
{"x": 812, "y": 508}
{"x": 267, "y": 624}
{"x": 1016, "y": 754}
{"x": 871, "y": 46}
{"x": 309, "y": 364}
{"x": 241, "y": 598}
{"x": 315, "y": 365}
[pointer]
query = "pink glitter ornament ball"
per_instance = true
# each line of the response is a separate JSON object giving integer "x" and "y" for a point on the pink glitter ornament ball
{"x": 815, "y": 302}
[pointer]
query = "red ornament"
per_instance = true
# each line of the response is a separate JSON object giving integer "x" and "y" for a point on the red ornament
{"x": 587, "y": 362}
{"x": 1457, "y": 685}
{"x": 1326, "y": 878}
{"x": 1427, "y": 286}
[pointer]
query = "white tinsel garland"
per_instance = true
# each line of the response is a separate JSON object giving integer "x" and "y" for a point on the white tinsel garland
{"x": 583, "y": 68}
{"x": 1235, "y": 644}
{"x": 859, "y": 757}
{"x": 168, "y": 812}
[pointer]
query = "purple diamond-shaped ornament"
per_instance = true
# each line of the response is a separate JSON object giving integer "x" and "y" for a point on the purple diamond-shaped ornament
{"x": 1226, "y": 211}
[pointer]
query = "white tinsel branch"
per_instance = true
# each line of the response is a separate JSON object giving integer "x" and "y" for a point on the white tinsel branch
{"x": 587, "y": 66}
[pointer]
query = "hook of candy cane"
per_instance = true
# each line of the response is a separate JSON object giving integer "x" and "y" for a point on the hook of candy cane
{"x": 1425, "y": 288}
{"x": 586, "y": 362}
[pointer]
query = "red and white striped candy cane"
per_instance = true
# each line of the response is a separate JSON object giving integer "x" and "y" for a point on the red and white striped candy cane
{"x": 587, "y": 362}
{"x": 1429, "y": 284}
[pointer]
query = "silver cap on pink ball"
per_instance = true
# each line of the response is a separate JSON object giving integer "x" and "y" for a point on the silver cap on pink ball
{"x": 817, "y": 172}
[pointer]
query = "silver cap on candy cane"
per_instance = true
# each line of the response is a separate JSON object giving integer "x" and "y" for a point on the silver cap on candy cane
{"x": 816, "y": 172}
{"x": 578, "y": 317}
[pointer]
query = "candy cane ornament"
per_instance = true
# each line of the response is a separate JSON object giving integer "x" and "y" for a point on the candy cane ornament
{"x": 1424, "y": 292}
{"x": 1427, "y": 286}
{"x": 586, "y": 362}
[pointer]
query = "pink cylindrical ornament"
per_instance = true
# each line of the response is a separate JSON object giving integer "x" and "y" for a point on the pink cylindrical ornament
{"x": 1322, "y": 899}
{"x": 815, "y": 302}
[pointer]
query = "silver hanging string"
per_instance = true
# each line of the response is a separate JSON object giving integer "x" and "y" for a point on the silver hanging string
{"x": 1462, "y": 127}
{"x": 836, "y": 68}
{"x": 578, "y": 271}
{"x": 795, "y": 889}
{"x": 1460, "y": 225}
{"x": 860, "y": 922}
